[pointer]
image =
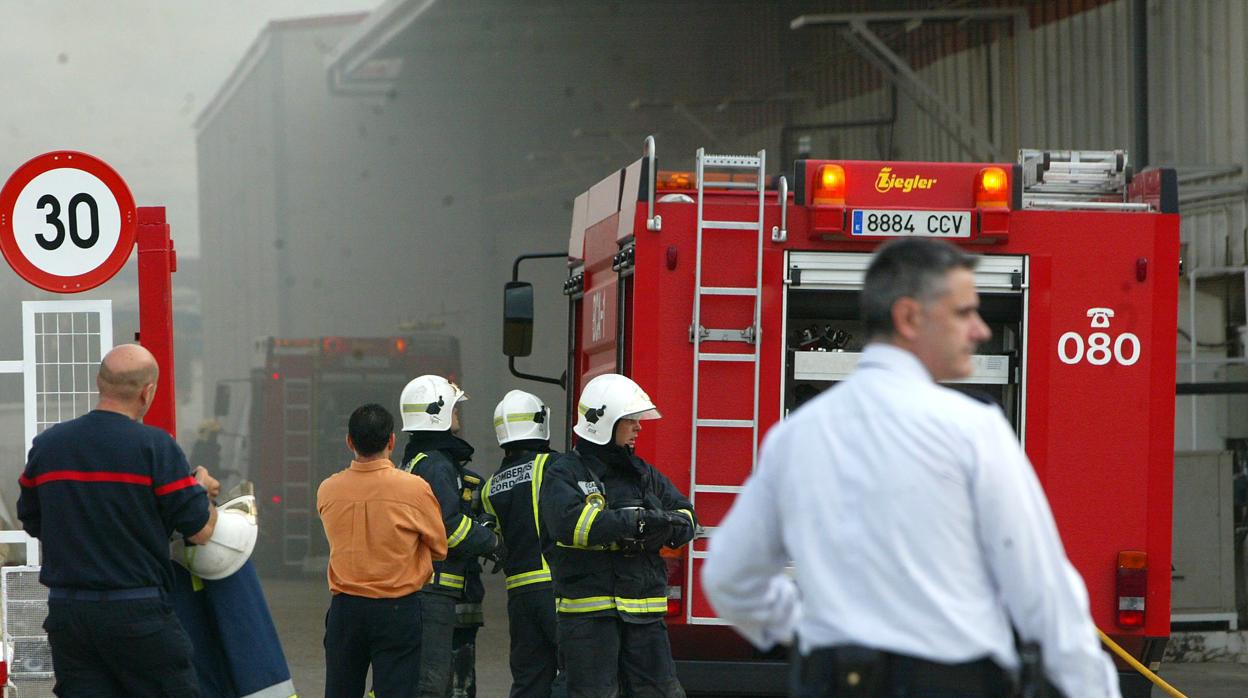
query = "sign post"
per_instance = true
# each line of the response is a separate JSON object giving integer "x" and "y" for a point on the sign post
{"x": 157, "y": 262}
{"x": 68, "y": 224}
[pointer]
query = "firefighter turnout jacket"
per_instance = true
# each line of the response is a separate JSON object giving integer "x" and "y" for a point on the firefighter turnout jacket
{"x": 470, "y": 611}
{"x": 511, "y": 496}
{"x": 589, "y": 506}
{"x": 438, "y": 457}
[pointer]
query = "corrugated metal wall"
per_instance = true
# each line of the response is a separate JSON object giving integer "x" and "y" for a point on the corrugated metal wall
{"x": 1064, "y": 84}
{"x": 1068, "y": 83}
{"x": 1212, "y": 233}
{"x": 1199, "y": 89}
{"x": 1076, "y": 81}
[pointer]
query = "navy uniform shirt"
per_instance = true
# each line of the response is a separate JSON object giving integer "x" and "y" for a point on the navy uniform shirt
{"x": 104, "y": 493}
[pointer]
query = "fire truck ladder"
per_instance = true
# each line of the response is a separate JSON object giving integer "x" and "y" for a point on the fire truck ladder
{"x": 739, "y": 164}
{"x": 1076, "y": 179}
{"x": 296, "y": 470}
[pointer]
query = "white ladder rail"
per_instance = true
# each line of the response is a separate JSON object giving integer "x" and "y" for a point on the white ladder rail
{"x": 751, "y": 335}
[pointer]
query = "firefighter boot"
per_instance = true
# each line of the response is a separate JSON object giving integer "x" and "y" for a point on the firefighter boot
{"x": 464, "y": 666}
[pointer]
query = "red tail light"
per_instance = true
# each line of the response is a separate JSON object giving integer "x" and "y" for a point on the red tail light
{"x": 1132, "y": 587}
{"x": 675, "y": 561}
{"x": 4, "y": 673}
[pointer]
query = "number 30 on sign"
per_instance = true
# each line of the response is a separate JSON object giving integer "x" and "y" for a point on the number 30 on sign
{"x": 67, "y": 221}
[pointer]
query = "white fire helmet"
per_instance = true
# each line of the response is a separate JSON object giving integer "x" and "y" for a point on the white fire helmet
{"x": 605, "y": 400}
{"x": 426, "y": 403}
{"x": 232, "y": 541}
{"x": 521, "y": 416}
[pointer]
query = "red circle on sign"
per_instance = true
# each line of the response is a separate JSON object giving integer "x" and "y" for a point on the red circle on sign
{"x": 66, "y": 159}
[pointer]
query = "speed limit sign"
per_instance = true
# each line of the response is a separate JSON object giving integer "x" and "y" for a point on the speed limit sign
{"x": 67, "y": 221}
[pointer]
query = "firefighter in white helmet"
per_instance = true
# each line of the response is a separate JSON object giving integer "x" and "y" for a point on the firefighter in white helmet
{"x": 430, "y": 409}
{"x": 522, "y": 426}
{"x": 605, "y": 514}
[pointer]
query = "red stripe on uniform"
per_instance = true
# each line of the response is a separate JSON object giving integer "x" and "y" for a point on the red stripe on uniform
{"x": 175, "y": 486}
{"x": 84, "y": 476}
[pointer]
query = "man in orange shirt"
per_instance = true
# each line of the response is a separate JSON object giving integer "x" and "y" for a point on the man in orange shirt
{"x": 385, "y": 530}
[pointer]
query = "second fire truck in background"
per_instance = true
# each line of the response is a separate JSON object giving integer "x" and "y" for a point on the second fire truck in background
{"x": 302, "y": 393}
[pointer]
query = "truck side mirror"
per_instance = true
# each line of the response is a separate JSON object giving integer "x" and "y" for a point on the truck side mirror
{"x": 221, "y": 401}
{"x": 517, "y": 318}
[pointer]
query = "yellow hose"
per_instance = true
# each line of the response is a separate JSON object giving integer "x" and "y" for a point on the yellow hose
{"x": 1135, "y": 664}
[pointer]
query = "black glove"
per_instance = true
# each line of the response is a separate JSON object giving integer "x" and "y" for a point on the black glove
{"x": 654, "y": 530}
{"x": 497, "y": 554}
{"x": 681, "y": 527}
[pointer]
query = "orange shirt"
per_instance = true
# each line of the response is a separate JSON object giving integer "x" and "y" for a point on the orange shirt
{"x": 384, "y": 528}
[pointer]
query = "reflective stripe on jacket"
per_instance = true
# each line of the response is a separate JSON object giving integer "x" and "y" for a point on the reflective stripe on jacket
{"x": 582, "y": 526}
{"x": 511, "y": 495}
{"x": 465, "y": 538}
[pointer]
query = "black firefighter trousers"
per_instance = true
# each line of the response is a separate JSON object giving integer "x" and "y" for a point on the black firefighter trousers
{"x": 534, "y": 644}
{"x": 601, "y": 652}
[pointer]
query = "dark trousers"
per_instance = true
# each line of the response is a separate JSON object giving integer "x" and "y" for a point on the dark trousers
{"x": 855, "y": 672}
{"x": 119, "y": 648}
{"x": 438, "y": 612}
{"x": 385, "y": 633}
{"x": 464, "y": 662}
{"x": 601, "y": 653}
{"x": 534, "y": 647}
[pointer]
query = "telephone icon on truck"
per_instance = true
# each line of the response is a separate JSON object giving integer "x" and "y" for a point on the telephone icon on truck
{"x": 1100, "y": 316}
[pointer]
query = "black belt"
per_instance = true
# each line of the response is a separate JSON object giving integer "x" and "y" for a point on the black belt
{"x": 859, "y": 671}
{"x": 60, "y": 594}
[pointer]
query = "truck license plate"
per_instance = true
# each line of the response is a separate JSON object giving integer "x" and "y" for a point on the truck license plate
{"x": 939, "y": 224}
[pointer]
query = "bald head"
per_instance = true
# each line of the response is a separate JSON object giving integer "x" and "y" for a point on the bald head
{"x": 125, "y": 371}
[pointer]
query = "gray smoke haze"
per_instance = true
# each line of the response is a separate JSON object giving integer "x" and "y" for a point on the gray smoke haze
{"x": 124, "y": 80}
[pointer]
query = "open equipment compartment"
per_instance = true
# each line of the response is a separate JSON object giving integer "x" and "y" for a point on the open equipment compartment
{"x": 825, "y": 334}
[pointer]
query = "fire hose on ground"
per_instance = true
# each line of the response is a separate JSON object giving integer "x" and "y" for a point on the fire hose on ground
{"x": 1135, "y": 664}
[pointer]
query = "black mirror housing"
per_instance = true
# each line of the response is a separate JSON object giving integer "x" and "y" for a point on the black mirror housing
{"x": 517, "y": 318}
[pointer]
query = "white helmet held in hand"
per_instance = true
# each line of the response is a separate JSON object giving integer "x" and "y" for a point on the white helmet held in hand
{"x": 607, "y": 399}
{"x": 426, "y": 403}
{"x": 521, "y": 416}
{"x": 233, "y": 539}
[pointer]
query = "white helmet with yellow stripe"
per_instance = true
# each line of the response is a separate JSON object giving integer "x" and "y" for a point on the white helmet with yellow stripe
{"x": 520, "y": 416}
{"x": 426, "y": 403}
{"x": 605, "y": 400}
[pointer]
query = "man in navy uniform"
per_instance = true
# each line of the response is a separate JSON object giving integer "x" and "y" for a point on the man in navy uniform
{"x": 104, "y": 493}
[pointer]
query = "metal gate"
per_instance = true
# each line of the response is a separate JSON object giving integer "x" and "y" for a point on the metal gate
{"x": 62, "y": 344}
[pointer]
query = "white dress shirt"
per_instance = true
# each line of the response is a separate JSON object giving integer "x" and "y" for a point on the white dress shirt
{"x": 915, "y": 525}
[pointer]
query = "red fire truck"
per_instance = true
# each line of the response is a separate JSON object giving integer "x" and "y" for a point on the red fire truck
{"x": 301, "y": 396}
{"x": 732, "y": 301}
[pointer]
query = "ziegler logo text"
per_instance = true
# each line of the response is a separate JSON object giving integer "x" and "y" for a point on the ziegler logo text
{"x": 886, "y": 181}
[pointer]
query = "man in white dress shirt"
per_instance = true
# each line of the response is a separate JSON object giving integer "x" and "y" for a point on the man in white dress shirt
{"x": 916, "y": 527}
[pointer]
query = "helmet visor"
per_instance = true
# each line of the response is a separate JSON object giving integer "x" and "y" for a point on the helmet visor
{"x": 652, "y": 413}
